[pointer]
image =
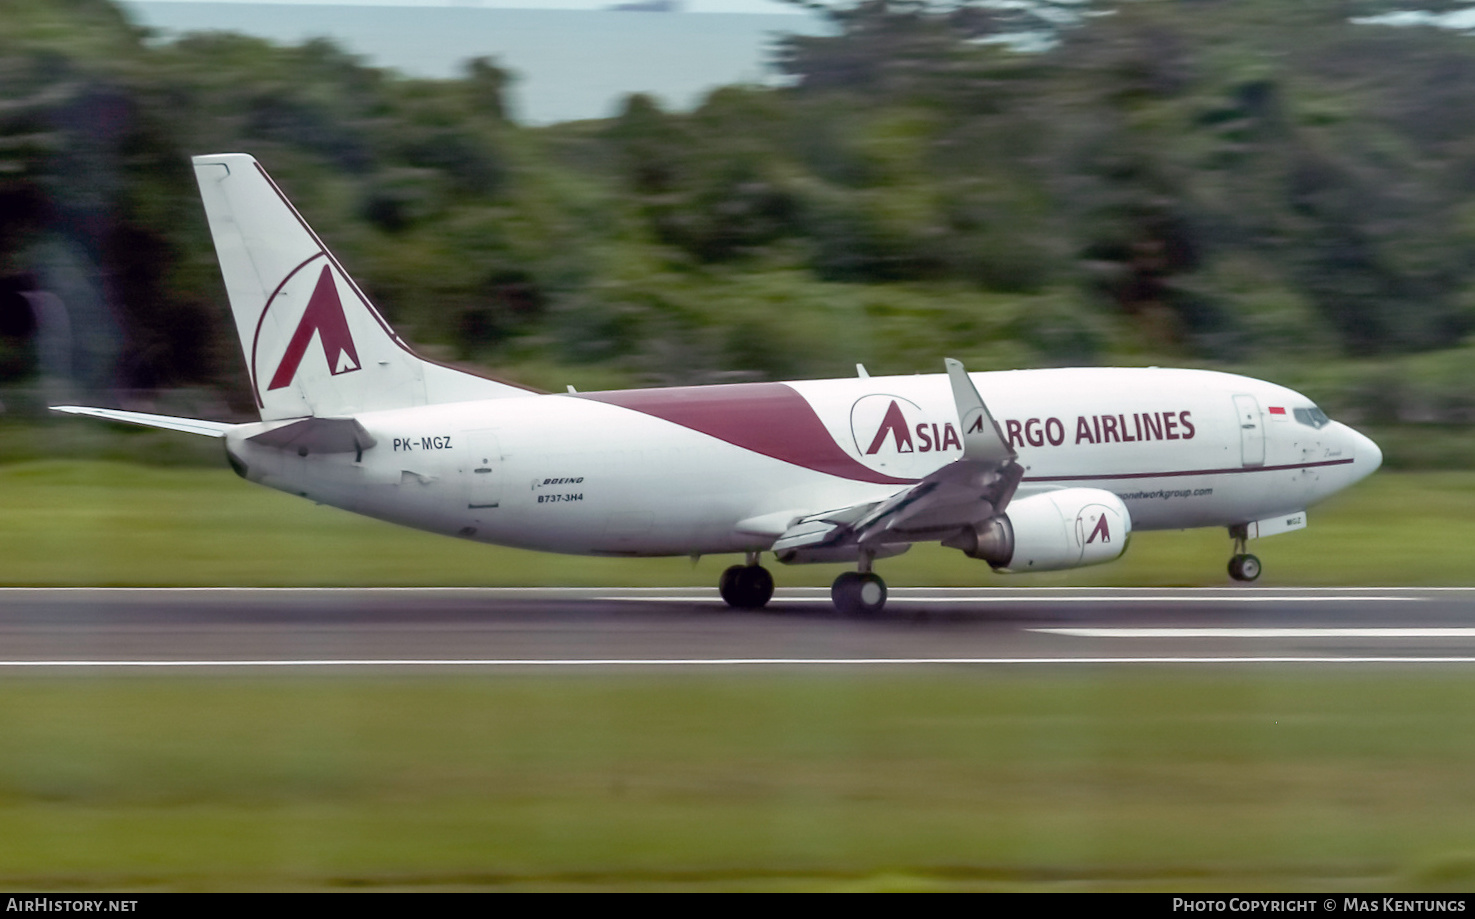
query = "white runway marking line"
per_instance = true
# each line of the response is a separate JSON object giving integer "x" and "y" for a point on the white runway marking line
{"x": 1236, "y": 593}
{"x": 1289, "y": 632}
{"x": 744, "y": 662}
{"x": 1150, "y": 598}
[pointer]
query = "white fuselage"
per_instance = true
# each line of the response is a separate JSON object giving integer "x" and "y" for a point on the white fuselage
{"x": 725, "y": 468}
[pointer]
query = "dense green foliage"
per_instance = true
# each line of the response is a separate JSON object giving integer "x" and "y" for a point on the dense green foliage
{"x": 1200, "y": 182}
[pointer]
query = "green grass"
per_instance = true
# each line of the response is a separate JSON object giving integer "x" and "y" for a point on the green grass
{"x": 1092, "y": 778}
{"x": 99, "y": 523}
{"x": 982, "y": 779}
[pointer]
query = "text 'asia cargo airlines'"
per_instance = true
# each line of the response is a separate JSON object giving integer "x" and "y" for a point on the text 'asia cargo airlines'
{"x": 1028, "y": 470}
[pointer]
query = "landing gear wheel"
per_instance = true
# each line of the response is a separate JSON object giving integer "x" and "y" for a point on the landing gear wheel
{"x": 859, "y": 594}
{"x": 1244, "y": 567}
{"x": 746, "y": 586}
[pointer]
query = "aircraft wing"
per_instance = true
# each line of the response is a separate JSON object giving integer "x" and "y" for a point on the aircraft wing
{"x": 975, "y": 487}
{"x": 167, "y": 422}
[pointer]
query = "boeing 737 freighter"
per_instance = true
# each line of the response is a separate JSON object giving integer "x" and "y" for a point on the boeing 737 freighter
{"x": 1026, "y": 470}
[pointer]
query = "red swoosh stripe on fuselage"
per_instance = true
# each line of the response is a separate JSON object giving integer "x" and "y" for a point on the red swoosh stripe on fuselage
{"x": 767, "y": 418}
{"x": 775, "y": 420}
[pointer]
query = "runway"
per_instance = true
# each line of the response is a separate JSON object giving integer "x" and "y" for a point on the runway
{"x": 470, "y": 628}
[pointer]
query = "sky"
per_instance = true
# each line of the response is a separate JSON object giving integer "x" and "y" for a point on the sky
{"x": 690, "y": 6}
{"x": 565, "y": 69}
{"x": 1459, "y": 20}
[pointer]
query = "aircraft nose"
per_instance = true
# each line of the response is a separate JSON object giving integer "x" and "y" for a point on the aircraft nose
{"x": 1367, "y": 456}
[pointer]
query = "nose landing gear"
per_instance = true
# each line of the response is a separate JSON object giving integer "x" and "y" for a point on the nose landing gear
{"x": 1242, "y": 565}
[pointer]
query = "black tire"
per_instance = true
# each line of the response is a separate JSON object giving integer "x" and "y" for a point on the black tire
{"x": 857, "y": 594}
{"x": 1244, "y": 567}
{"x": 727, "y": 586}
{"x": 746, "y": 586}
{"x": 756, "y": 586}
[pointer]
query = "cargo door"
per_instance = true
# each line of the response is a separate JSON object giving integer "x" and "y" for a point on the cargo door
{"x": 1251, "y": 430}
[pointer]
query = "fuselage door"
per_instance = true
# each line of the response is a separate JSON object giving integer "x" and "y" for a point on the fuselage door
{"x": 1251, "y": 430}
{"x": 483, "y": 470}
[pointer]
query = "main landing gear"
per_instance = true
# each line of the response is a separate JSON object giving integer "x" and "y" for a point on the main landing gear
{"x": 1242, "y": 565}
{"x": 859, "y": 593}
{"x": 855, "y": 593}
{"x": 747, "y": 586}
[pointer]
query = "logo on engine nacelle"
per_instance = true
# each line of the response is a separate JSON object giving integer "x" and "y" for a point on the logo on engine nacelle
{"x": 1101, "y": 530}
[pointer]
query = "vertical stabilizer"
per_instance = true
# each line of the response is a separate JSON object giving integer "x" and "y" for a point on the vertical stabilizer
{"x": 313, "y": 343}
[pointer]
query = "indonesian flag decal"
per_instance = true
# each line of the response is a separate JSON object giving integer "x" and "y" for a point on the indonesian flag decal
{"x": 1278, "y": 413}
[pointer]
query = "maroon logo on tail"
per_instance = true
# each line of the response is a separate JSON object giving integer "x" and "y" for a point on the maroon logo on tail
{"x": 895, "y": 424}
{"x": 324, "y": 315}
{"x": 1100, "y": 530}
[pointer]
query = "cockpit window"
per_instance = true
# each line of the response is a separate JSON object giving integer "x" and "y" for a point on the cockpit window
{"x": 1314, "y": 417}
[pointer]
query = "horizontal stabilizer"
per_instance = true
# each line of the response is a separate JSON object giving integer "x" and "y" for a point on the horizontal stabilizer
{"x": 167, "y": 422}
{"x": 318, "y": 435}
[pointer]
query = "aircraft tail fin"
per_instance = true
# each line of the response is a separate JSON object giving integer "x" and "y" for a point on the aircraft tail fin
{"x": 313, "y": 343}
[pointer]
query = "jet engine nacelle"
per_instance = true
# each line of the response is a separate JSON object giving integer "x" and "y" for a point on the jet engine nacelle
{"x": 1068, "y": 528}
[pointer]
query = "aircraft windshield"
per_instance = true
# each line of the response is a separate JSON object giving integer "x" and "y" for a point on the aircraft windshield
{"x": 1313, "y": 417}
